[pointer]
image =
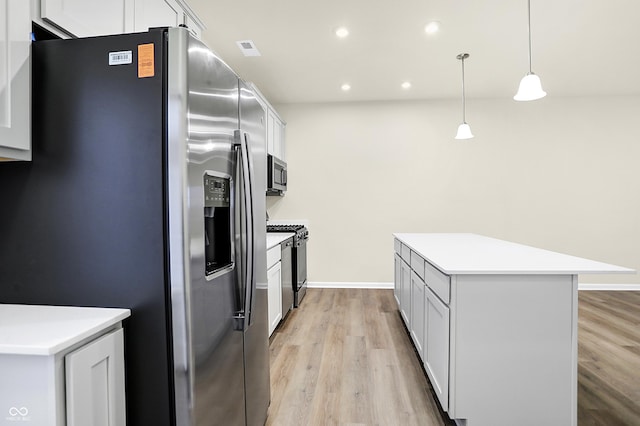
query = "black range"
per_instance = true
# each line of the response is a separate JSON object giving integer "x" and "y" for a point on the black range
{"x": 299, "y": 258}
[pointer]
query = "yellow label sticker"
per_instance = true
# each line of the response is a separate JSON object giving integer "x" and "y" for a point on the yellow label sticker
{"x": 146, "y": 63}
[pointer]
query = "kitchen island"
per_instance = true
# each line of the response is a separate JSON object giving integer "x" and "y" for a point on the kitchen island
{"x": 495, "y": 324}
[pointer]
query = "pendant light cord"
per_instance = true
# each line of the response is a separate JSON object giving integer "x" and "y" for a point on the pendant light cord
{"x": 464, "y": 120}
{"x": 529, "y": 28}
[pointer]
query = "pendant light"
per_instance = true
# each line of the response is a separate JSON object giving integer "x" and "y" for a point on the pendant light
{"x": 464, "y": 131}
{"x": 530, "y": 87}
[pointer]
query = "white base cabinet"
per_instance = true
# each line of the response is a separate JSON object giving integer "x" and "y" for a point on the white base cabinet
{"x": 62, "y": 366}
{"x": 397, "y": 274}
{"x": 274, "y": 287}
{"x": 436, "y": 345}
{"x": 405, "y": 292}
{"x": 95, "y": 382}
{"x": 417, "y": 312}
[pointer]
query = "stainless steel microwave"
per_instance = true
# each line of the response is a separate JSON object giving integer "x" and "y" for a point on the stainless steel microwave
{"x": 276, "y": 176}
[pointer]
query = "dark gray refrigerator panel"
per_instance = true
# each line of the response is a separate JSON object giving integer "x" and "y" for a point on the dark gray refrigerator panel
{"x": 85, "y": 223}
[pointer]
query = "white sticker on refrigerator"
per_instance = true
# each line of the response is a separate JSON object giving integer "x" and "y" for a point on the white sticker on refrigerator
{"x": 120, "y": 58}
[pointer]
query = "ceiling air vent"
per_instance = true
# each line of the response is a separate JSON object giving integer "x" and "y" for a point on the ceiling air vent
{"x": 248, "y": 48}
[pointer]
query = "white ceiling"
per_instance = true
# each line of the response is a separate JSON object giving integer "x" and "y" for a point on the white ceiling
{"x": 580, "y": 47}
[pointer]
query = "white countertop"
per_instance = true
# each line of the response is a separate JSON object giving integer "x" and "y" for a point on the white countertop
{"x": 275, "y": 238}
{"x": 476, "y": 254}
{"x": 46, "y": 330}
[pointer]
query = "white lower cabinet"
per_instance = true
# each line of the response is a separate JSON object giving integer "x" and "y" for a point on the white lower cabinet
{"x": 95, "y": 383}
{"x": 397, "y": 277}
{"x": 405, "y": 293}
{"x": 417, "y": 312}
{"x": 425, "y": 314}
{"x": 274, "y": 287}
{"x": 62, "y": 366}
{"x": 436, "y": 345}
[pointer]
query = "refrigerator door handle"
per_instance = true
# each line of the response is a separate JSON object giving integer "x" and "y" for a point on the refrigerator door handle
{"x": 251, "y": 264}
{"x": 247, "y": 264}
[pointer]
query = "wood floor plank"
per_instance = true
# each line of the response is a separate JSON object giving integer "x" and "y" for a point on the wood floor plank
{"x": 345, "y": 358}
{"x": 608, "y": 361}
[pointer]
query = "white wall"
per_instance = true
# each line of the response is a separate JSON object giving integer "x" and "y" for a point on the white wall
{"x": 560, "y": 174}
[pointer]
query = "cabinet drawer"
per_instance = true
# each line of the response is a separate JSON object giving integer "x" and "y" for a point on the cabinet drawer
{"x": 417, "y": 264}
{"x": 405, "y": 253}
{"x": 273, "y": 256}
{"x": 397, "y": 246}
{"x": 438, "y": 282}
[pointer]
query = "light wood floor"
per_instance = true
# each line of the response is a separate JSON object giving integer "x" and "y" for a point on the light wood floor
{"x": 344, "y": 358}
{"x": 609, "y": 358}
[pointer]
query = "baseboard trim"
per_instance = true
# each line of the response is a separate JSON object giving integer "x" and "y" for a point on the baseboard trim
{"x": 608, "y": 287}
{"x": 325, "y": 284}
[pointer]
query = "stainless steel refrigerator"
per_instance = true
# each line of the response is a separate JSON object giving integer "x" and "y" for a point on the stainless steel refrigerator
{"x": 147, "y": 191}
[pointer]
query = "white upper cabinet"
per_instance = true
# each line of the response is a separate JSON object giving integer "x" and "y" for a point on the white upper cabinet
{"x": 274, "y": 129}
{"x": 275, "y": 135}
{"x": 157, "y": 13}
{"x": 165, "y": 13}
{"x": 82, "y": 18}
{"x": 15, "y": 76}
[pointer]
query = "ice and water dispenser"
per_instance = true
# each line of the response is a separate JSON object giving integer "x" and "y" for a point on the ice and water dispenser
{"x": 217, "y": 223}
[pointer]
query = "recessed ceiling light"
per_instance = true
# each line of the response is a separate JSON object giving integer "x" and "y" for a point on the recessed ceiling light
{"x": 406, "y": 85}
{"x": 342, "y": 32}
{"x": 345, "y": 87}
{"x": 432, "y": 27}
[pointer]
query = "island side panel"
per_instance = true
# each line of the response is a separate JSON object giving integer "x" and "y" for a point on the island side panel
{"x": 574, "y": 356}
{"x": 515, "y": 349}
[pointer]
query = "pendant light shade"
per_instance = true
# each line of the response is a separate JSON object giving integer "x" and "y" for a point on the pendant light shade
{"x": 464, "y": 130}
{"x": 530, "y": 87}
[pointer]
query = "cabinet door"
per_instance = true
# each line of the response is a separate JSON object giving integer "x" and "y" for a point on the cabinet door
{"x": 274, "y": 284}
{"x": 271, "y": 123}
{"x": 405, "y": 294}
{"x": 157, "y": 13}
{"x": 194, "y": 27}
{"x": 277, "y": 138}
{"x": 283, "y": 140}
{"x": 83, "y": 18}
{"x": 15, "y": 78}
{"x": 95, "y": 383}
{"x": 397, "y": 277}
{"x": 436, "y": 346}
{"x": 417, "y": 312}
